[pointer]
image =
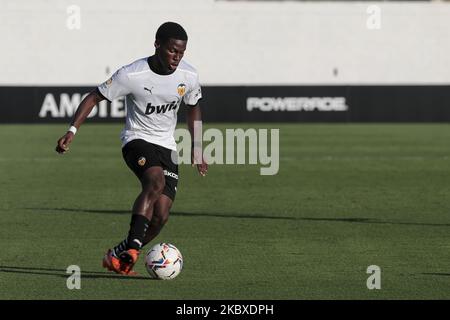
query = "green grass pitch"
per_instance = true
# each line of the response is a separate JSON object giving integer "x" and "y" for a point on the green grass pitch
{"x": 347, "y": 196}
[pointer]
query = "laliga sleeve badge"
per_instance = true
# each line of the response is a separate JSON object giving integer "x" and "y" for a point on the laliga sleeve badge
{"x": 141, "y": 161}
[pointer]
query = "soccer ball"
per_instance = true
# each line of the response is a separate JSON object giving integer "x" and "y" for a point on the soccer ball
{"x": 163, "y": 261}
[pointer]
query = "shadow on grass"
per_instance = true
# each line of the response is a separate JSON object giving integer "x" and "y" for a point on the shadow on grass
{"x": 376, "y": 221}
{"x": 436, "y": 274}
{"x": 62, "y": 273}
{"x": 173, "y": 213}
{"x": 252, "y": 216}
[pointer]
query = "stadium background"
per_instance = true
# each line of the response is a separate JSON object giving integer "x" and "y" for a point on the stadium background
{"x": 348, "y": 194}
{"x": 243, "y": 49}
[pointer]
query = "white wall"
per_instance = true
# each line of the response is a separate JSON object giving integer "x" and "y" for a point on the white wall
{"x": 230, "y": 42}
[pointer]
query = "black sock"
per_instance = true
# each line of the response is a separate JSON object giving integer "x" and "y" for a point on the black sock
{"x": 136, "y": 235}
{"x": 138, "y": 228}
{"x": 120, "y": 247}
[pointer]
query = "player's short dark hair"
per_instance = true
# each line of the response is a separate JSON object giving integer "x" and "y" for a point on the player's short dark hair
{"x": 170, "y": 30}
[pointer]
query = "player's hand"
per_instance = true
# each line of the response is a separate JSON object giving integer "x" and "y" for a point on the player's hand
{"x": 197, "y": 159}
{"x": 62, "y": 146}
{"x": 202, "y": 168}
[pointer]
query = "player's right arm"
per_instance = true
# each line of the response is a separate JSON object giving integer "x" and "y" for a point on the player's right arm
{"x": 83, "y": 110}
{"x": 113, "y": 88}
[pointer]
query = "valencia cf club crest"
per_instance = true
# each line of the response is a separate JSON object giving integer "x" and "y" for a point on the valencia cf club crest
{"x": 141, "y": 161}
{"x": 108, "y": 82}
{"x": 181, "y": 89}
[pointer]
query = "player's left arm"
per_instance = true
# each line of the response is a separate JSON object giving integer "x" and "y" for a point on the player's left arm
{"x": 194, "y": 114}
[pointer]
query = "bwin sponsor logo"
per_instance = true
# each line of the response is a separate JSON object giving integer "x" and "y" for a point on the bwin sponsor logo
{"x": 163, "y": 108}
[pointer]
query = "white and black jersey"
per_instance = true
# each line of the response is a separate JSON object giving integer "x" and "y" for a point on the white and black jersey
{"x": 152, "y": 100}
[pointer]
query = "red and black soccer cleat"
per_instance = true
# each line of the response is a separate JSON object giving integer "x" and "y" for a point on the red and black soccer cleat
{"x": 123, "y": 264}
{"x": 128, "y": 259}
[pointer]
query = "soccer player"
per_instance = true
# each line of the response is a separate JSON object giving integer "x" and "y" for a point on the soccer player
{"x": 153, "y": 88}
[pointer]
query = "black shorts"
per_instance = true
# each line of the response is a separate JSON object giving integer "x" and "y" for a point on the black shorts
{"x": 141, "y": 155}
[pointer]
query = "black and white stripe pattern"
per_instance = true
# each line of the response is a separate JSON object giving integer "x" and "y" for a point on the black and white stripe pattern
{"x": 120, "y": 248}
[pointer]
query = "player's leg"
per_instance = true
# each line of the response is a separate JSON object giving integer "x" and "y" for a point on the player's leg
{"x": 141, "y": 157}
{"x": 159, "y": 218}
{"x": 164, "y": 202}
{"x": 153, "y": 182}
{"x": 126, "y": 253}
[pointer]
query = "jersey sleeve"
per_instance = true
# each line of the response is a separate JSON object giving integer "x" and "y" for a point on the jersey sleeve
{"x": 116, "y": 86}
{"x": 192, "y": 97}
